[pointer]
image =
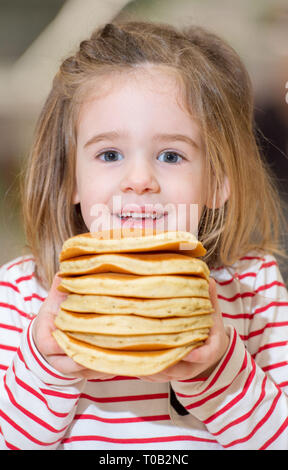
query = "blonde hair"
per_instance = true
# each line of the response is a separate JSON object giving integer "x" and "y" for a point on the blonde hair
{"x": 216, "y": 90}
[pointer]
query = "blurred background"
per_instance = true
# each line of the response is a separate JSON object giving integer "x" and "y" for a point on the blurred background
{"x": 36, "y": 36}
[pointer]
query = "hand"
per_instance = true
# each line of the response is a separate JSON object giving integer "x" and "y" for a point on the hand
{"x": 46, "y": 344}
{"x": 200, "y": 362}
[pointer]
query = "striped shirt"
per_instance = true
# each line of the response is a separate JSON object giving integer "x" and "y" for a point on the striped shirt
{"x": 243, "y": 404}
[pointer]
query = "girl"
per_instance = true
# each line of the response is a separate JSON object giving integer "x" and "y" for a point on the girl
{"x": 155, "y": 116}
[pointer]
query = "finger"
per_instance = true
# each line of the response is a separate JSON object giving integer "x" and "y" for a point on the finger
{"x": 213, "y": 294}
{"x": 55, "y": 296}
{"x": 153, "y": 378}
{"x": 198, "y": 355}
{"x": 44, "y": 323}
{"x": 65, "y": 364}
{"x": 94, "y": 375}
{"x": 202, "y": 353}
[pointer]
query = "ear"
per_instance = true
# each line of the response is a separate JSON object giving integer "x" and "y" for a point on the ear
{"x": 75, "y": 198}
{"x": 219, "y": 196}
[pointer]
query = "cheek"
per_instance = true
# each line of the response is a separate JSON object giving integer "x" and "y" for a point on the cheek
{"x": 189, "y": 190}
{"x": 92, "y": 184}
{"x": 92, "y": 191}
{"x": 188, "y": 194}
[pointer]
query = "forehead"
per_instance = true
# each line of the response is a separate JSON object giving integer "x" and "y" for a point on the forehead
{"x": 160, "y": 80}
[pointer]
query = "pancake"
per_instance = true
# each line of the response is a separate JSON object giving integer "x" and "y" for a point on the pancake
{"x": 170, "y": 307}
{"x": 137, "y": 286}
{"x": 138, "y": 301}
{"x": 131, "y": 240}
{"x": 128, "y": 324}
{"x": 143, "y": 342}
{"x": 127, "y": 363}
{"x": 141, "y": 264}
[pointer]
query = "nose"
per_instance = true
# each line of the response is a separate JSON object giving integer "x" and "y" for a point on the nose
{"x": 140, "y": 178}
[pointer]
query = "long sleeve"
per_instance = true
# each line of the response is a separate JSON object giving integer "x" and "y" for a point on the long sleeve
{"x": 37, "y": 403}
{"x": 244, "y": 403}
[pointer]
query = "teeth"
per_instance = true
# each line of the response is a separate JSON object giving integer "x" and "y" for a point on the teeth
{"x": 139, "y": 215}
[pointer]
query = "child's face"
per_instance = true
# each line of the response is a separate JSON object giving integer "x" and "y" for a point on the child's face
{"x": 152, "y": 174}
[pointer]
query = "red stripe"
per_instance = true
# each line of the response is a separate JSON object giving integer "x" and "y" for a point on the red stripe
{"x": 224, "y": 283}
{"x": 20, "y": 262}
{"x": 209, "y": 397}
{"x": 30, "y": 415}
{"x": 249, "y": 273}
{"x": 251, "y": 294}
{"x": 260, "y": 332}
{"x": 37, "y": 395}
{"x": 145, "y": 440}
{"x": 283, "y": 384}
{"x": 8, "y": 444}
{"x": 236, "y": 276}
{"x": 152, "y": 396}
{"x": 20, "y": 355}
{"x": 251, "y": 258}
{"x": 12, "y": 307}
{"x": 238, "y": 315}
{"x": 256, "y": 311}
{"x": 244, "y": 365}
{"x": 55, "y": 393}
{"x": 272, "y": 304}
{"x": 277, "y": 434}
{"x": 275, "y": 366}
{"x": 202, "y": 379}
{"x": 8, "y": 348}
{"x": 267, "y": 286}
{"x": 219, "y": 372}
{"x": 24, "y": 278}
{"x": 268, "y": 264}
{"x": 246, "y": 415}
{"x": 237, "y": 397}
{"x": 9, "y": 284}
{"x": 225, "y": 361}
{"x": 270, "y": 346}
{"x": 34, "y": 296}
{"x": 25, "y": 433}
{"x": 236, "y": 296}
{"x": 11, "y": 327}
{"x": 138, "y": 419}
{"x": 4, "y": 367}
{"x": 259, "y": 425}
{"x": 40, "y": 363}
{"x": 219, "y": 268}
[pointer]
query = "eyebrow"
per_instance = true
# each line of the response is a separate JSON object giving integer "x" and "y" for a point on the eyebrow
{"x": 157, "y": 137}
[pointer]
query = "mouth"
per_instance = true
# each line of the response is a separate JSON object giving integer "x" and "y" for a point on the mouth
{"x": 135, "y": 215}
{"x": 141, "y": 216}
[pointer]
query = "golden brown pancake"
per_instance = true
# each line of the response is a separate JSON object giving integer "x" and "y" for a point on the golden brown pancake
{"x": 131, "y": 240}
{"x": 143, "y": 342}
{"x": 128, "y": 324}
{"x": 137, "y": 286}
{"x": 129, "y": 363}
{"x": 105, "y": 304}
{"x": 140, "y": 263}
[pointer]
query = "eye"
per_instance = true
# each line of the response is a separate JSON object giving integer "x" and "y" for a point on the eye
{"x": 170, "y": 157}
{"x": 110, "y": 156}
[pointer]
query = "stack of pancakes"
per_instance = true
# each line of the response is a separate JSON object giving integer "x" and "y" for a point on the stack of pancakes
{"x": 137, "y": 302}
